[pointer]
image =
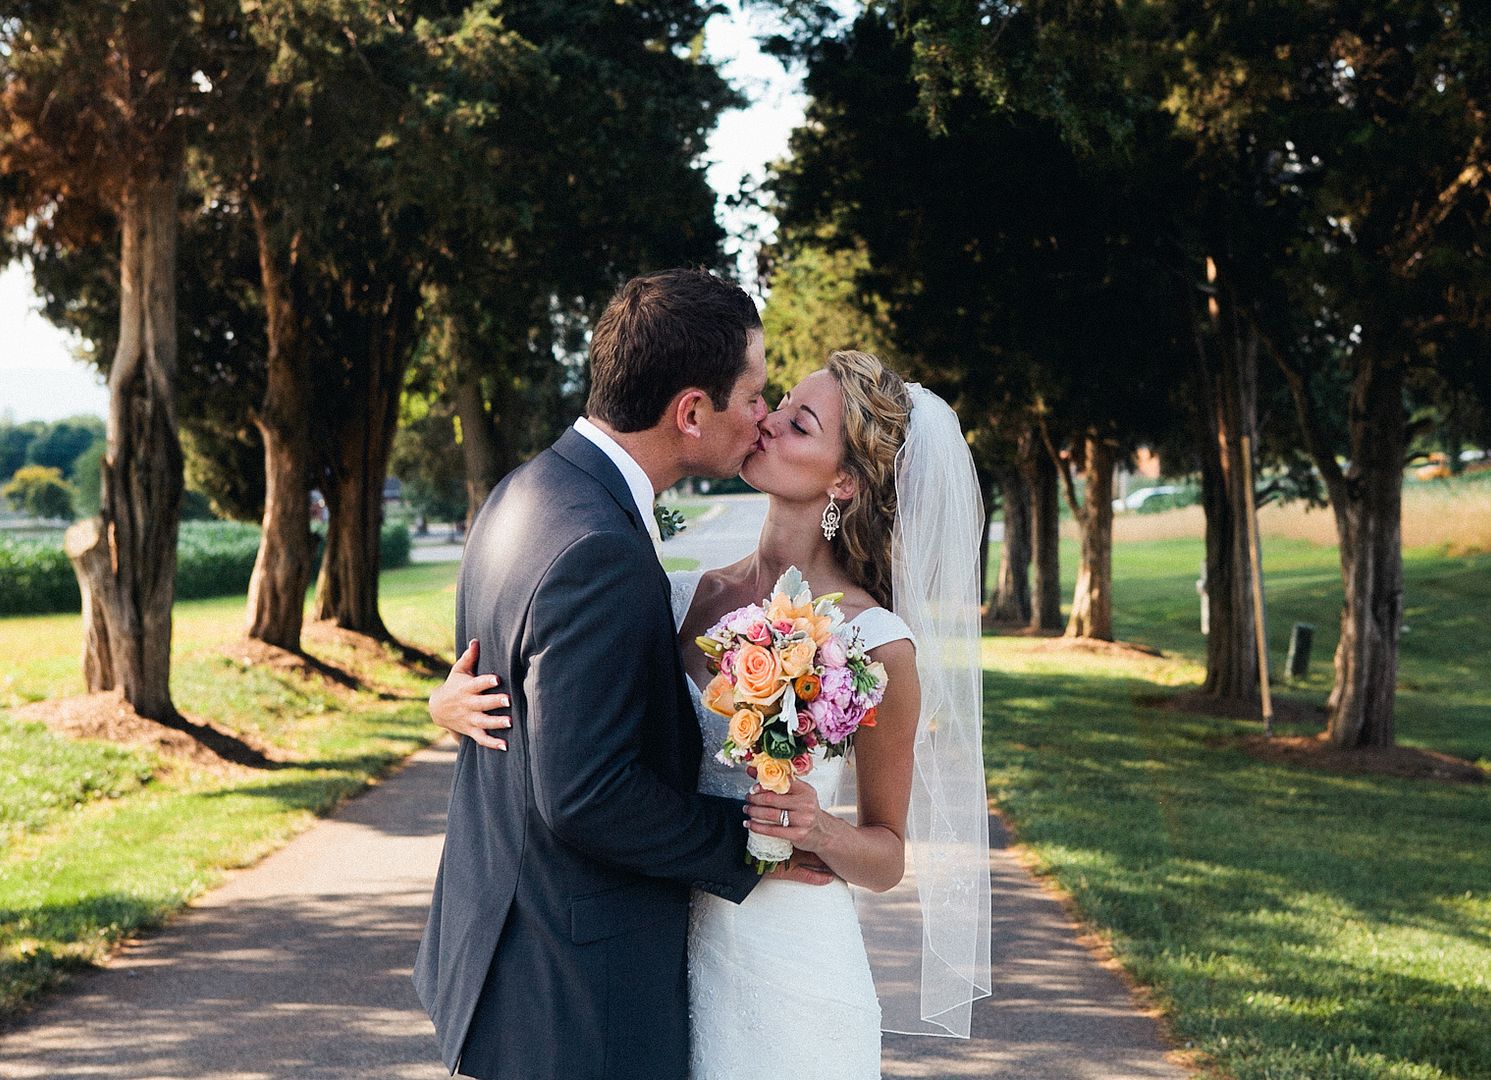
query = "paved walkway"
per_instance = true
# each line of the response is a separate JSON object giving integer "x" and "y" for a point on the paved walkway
{"x": 300, "y": 968}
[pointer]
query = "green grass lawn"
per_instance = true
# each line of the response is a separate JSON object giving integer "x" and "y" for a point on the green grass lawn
{"x": 98, "y": 840}
{"x": 1293, "y": 924}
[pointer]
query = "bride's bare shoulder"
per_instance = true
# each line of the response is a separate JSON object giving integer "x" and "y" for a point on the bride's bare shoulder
{"x": 714, "y": 594}
{"x": 856, "y": 602}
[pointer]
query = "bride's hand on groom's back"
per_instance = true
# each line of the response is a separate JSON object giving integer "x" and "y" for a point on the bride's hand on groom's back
{"x": 462, "y": 703}
{"x": 804, "y": 867}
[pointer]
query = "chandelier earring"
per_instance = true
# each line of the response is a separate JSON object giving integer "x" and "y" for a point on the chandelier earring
{"x": 831, "y": 518}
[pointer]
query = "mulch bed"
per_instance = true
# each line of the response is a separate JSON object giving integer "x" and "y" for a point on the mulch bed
{"x": 1100, "y": 648}
{"x": 1314, "y": 751}
{"x": 108, "y": 717}
{"x": 372, "y": 650}
{"x": 253, "y": 653}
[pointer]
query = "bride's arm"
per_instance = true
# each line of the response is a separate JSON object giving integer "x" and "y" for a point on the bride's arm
{"x": 461, "y": 703}
{"x": 871, "y": 854}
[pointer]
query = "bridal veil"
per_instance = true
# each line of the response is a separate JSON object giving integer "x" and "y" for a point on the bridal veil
{"x": 929, "y": 937}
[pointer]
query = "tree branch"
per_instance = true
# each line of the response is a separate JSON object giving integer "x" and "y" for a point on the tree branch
{"x": 1063, "y": 466}
{"x": 1311, "y": 426}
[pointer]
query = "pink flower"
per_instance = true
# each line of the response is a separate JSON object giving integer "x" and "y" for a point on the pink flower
{"x": 802, "y": 764}
{"x": 758, "y": 633}
{"x": 810, "y": 739}
{"x": 739, "y": 620}
{"x": 838, "y": 688}
{"x": 831, "y": 721}
{"x": 831, "y": 653}
{"x": 783, "y": 626}
{"x": 804, "y": 722}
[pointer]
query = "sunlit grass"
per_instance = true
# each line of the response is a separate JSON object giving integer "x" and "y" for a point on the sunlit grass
{"x": 100, "y": 841}
{"x": 1294, "y": 925}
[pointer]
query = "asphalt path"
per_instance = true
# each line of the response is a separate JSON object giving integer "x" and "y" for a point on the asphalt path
{"x": 299, "y": 967}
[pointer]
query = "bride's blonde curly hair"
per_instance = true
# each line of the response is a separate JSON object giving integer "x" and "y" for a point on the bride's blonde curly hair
{"x": 877, "y": 406}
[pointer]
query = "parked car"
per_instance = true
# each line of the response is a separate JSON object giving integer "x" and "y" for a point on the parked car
{"x": 1136, "y": 499}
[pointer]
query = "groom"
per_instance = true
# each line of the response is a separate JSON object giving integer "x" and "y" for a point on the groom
{"x": 555, "y": 946}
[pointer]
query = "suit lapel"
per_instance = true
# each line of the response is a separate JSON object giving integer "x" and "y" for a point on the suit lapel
{"x": 589, "y": 458}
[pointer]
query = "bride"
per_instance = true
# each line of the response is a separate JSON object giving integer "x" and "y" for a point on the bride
{"x": 872, "y": 494}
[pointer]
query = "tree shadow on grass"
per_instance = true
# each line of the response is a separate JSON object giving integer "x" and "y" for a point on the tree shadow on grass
{"x": 417, "y": 808}
{"x": 106, "y": 716}
{"x": 291, "y": 666}
{"x": 1276, "y": 906}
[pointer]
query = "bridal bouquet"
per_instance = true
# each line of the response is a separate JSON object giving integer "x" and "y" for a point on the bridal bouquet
{"x": 791, "y": 677}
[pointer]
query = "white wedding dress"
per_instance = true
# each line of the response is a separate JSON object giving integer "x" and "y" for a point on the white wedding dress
{"x": 779, "y": 986}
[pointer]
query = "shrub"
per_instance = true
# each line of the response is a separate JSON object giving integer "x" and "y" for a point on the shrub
{"x": 40, "y": 490}
{"x": 213, "y": 558}
{"x": 394, "y": 545}
{"x": 35, "y": 577}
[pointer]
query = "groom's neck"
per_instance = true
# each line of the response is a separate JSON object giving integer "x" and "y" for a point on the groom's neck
{"x": 651, "y": 449}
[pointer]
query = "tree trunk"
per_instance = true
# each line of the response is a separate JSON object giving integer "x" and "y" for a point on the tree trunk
{"x": 480, "y": 451}
{"x": 1227, "y": 373}
{"x": 1045, "y": 540}
{"x": 1092, "y": 602}
{"x": 1369, "y": 520}
{"x": 347, "y": 586}
{"x": 1367, "y": 502}
{"x": 1011, "y": 600}
{"x": 127, "y": 568}
{"x": 282, "y": 570}
{"x": 86, "y": 548}
{"x": 986, "y": 488}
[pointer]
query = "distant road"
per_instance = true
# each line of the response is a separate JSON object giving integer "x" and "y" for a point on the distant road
{"x": 722, "y": 536}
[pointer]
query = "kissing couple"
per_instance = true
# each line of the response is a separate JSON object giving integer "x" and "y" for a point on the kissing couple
{"x": 597, "y": 915}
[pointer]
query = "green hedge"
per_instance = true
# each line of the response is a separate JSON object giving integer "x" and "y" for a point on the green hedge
{"x": 35, "y": 577}
{"x": 213, "y": 558}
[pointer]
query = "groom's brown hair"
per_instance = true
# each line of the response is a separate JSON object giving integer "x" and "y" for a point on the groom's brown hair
{"x": 663, "y": 333}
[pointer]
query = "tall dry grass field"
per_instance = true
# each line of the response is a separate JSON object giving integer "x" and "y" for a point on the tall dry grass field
{"x": 1453, "y": 519}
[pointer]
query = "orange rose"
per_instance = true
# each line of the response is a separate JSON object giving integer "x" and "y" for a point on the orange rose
{"x": 758, "y": 676}
{"x": 869, "y": 718}
{"x": 783, "y": 608}
{"x": 745, "y": 728}
{"x": 817, "y": 627}
{"x": 773, "y": 774}
{"x": 798, "y": 658}
{"x": 808, "y": 687}
{"x": 719, "y": 696}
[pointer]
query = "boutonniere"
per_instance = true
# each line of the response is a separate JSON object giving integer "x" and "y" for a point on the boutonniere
{"x": 669, "y": 521}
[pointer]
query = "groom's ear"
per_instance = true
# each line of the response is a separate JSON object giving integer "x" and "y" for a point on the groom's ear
{"x": 686, "y": 412}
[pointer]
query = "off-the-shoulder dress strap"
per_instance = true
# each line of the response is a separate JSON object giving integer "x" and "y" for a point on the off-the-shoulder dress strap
{"x": 685, "y": 584}
{"x": 878, "y": 626}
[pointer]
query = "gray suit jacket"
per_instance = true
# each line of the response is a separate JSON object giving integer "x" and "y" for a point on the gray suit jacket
{"x": 555, "y": 946}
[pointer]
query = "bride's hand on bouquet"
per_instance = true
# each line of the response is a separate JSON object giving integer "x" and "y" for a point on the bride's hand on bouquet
{"x": 806, "y": 821}
{"x": 461, "y": 704}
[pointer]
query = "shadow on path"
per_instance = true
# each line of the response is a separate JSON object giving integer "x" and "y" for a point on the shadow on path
{"x": 1055, "y": 1012}
{"x": 300, "y": 968}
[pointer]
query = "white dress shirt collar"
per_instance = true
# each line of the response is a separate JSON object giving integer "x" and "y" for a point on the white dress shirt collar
{"x": 631, "y": 472}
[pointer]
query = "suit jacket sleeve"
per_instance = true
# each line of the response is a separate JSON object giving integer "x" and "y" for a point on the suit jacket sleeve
{"x": 586, "y": 689}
